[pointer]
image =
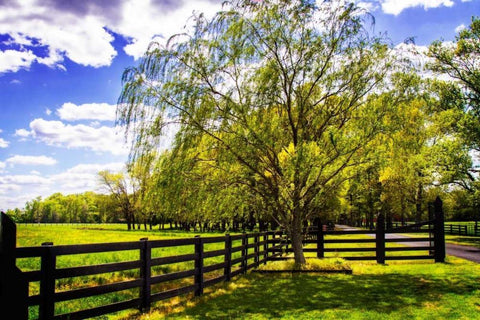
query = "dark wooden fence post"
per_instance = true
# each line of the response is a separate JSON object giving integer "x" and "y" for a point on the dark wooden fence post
{"x": 256, "y": 249}
{"x": 265, "y": 247}
{"x": 380, "y": 238}
{"x": 199, "y": 265}
{"x": 13, "y": 286}
{"x": 145, "y": 274}
{"x": 431, "y": 229}
{"x": 320, "y": 240}
{"x": 439, "y": 231}
{"x": 228, "y": 257}
{"x": 47, "y": 282}
{"x": 244, "y": 252}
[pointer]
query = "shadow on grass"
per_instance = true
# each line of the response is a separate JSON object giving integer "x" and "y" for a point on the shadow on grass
{"x": 271, "y": 296}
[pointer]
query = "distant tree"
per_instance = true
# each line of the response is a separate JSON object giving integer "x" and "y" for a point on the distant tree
{"x": 118, "y": 186}
{"x": 280, "y": 89}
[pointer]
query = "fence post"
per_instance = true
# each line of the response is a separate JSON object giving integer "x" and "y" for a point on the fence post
{"x": 439, "y": 231}
{"x": 265, "y": 247}
{"x": 198, "y": 265}
{"x": 256, "y": 249}
{"x": 47, "y": 282}
{"x": 380, "y": 238}
{"x": 244, "y": 252}
{"x": 13, "y": 286}
{"x": 228, "y": 257}
{"x": 320, "y": 240}
{"x": 431, "y": 235}
{"x": 145, "y": 274}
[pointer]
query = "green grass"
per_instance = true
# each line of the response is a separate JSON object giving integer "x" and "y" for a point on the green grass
{"x": 327, "y": 264}
{"x": 396, "y": 291}
{"x": 463, "y": 240}
{"x": 35, "y": 235}
{"x": 399, "y": 290}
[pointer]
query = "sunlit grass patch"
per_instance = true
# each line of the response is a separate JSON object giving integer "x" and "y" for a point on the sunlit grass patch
{"x": 326, "y": 264}
{"x": 397, "y": 290}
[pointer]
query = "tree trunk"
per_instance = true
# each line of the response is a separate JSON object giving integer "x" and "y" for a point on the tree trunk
{"x": 297, "y": 240}
{"x": 418, "y": 204}
{"x": 297, "y": 247}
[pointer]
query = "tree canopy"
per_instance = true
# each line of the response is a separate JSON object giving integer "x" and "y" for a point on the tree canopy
{"x": 281, "y": 95}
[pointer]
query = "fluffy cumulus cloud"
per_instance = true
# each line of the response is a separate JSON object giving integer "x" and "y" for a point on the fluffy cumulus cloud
{"x": 459, "y": 28}
{"x": 31, "y": 160}
{"x": 13, "y": 60}
{"x": 48, "y": 31}
{"x": 4, "y": 143}
{"x": 56, "y": 133}
{"x": 92, "y": 111}
{"x": 396, "y": 7}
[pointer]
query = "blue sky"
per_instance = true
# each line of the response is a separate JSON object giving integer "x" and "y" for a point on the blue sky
{"x": 60, "y": 77}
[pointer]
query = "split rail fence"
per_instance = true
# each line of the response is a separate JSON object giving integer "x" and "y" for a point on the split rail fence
{"x": 199, "y": 269}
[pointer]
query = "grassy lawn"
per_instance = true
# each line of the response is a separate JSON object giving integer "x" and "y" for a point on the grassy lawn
{"x": 463, "y": 240}
{"x": 398, "y": 290}
{"x": 407, "y": 290}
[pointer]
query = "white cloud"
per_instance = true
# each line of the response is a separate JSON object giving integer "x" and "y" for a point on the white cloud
{"x": 48, "y": 112}
{"x": 157, "y": 23}
{"x": 13, "y": 60}
{"x": 56, "y": 133}
{"x": 4, "y": 143}
{"x": 369, "y": 6}
{"x": 19, "y": 179}
{"x": 83, "y": 177}
{"x": 459, "y": 28}
{"x": 395, "y": 7}
{"x": 22, "y": 133}
{"x": 16, "y": 190}
{"x": 81, "y": 30}
{"x": 92, "y": 111}
{"x": 3, "y": 165}
{"x": 31, "y": 160}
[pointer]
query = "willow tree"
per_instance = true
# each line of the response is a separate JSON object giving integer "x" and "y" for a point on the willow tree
{"x": 280, "y": 89}
{"x": 460, "y": 60}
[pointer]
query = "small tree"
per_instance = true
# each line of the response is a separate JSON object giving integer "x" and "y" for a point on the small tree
{"x": 117, "y": 185}
{"x": 279, "y": 89}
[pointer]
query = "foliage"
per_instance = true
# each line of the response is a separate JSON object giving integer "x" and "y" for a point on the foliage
{"x": 460, "y": 61}
{"x": 277, "y": 94}
{"x": 88, "y": 207}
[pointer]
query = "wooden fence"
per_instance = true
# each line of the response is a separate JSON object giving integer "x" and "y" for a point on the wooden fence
{"x": 238, "y": 254}
{"x": 463, "y": 230}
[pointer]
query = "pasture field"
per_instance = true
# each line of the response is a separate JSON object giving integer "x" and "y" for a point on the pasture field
{"x": 35, "y": 235}
{"x": 397, "y": 290}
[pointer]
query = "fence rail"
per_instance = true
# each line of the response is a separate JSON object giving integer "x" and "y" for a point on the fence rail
{"x": 463, "y": 230}
{"x": 238, "y": 254}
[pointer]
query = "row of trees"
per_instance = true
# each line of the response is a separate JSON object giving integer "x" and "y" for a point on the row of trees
{"x": 293, "y": 110}
{"x": 88, "y": 207}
